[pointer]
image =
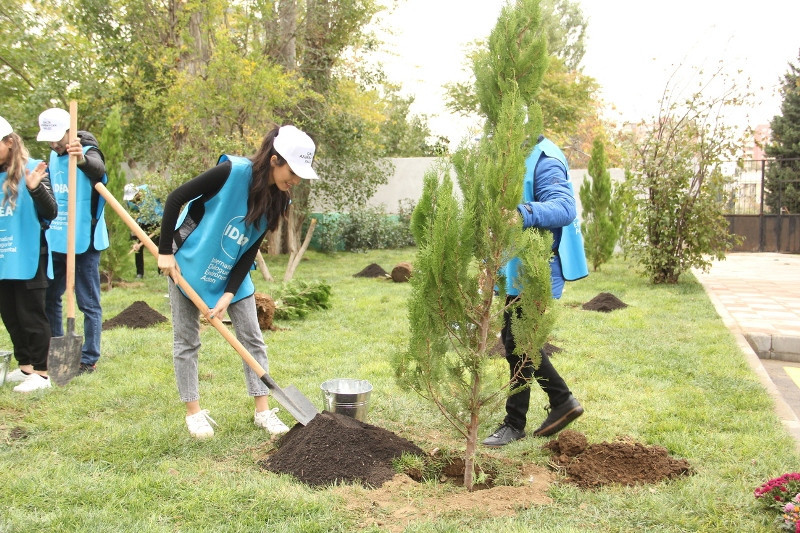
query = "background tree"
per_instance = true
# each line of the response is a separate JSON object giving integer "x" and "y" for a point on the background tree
{"x": 196, "y": 79}
{"x": 783, "y": 174}
{"x": 111, "y": 260}
{"x": 567, "y": 97}
{"x": 599, "y": 210}
{"x": 453, "y": 313}
{"x": 676, "y": 181}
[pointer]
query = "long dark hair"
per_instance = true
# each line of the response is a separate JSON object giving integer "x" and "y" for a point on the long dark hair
{"x": 266, "y": 199}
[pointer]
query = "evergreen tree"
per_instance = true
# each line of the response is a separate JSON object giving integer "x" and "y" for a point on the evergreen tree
{"x": 783, "y": 175}
{"x": 600, "y": 226}
{"x": 118, "y": 233}
{"x": 454, "y": 313}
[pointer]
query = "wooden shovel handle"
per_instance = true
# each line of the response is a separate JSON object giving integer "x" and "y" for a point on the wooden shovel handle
{"x": 182, "y": 283}
{"x": 72, "y": 202}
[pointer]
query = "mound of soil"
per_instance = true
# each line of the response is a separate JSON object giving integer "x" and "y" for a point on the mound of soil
{"x": 337, "y": 448}
{"x": 402, "y": 272}
{"x": 604, "y": 302}
{"x": 136, "y": 315}
{"x": 372, "y": 271}
{"x": 622, "y": 461}
{"x": 265, "y": 310}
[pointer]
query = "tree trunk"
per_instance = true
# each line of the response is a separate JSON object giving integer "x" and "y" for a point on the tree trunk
{"x": 287, "y": 15}
{"x": 469, "y": 454}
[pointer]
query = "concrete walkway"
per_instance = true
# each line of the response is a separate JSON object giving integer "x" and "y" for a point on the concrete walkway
{"x": 757, "y": 295}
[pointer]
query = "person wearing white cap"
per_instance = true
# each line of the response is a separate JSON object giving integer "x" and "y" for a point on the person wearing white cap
{"x": 27, "y": 205}
{"x": 213, "y": 242}
{"x": 91, "y": 235}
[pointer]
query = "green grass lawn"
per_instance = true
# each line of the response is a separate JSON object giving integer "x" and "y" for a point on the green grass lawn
{"x": 110, "y": 451}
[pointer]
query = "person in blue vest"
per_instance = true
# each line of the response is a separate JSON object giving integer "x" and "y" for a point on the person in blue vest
{"x": 27, "y": 205}
{"x": 147, "y": 210}
{"x": 213, "y": 242}
{"x": 549, "y": 203}
{"x": 91, "y": 235}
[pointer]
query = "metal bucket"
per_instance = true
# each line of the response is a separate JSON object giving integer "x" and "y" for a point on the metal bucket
{"x": 347, "y": 397}
{"x": 5, "y": 360}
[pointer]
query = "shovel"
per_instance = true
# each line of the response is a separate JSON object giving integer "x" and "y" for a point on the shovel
{"x": 290, "y": 397}
{"x": 64, "y": 358}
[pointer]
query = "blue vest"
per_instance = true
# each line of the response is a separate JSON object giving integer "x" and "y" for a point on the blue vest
{"x": 57, "y": 234}
{"x": 211, "y": 250}
{"x": 20, "y": 233}
{"x": 570, "y": 248}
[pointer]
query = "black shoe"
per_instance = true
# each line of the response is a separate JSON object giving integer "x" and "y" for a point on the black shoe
{"x": 503, "y": 436}
{"x": 559, "y": 417}
{"x": 86, "y": 368}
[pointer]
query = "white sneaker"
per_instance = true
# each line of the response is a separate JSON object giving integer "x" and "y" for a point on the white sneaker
{"x": 17, "y": 376}
{"x": 199, "y": 426}
{"x": 269, "y": 420}
{"x": 33, "y": 382}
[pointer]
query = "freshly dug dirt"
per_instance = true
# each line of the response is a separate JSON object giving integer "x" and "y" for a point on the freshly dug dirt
{"x": 604, "y": 302}
{"x": 622, "y": 461}
{"x": 265, "y": 309}
{"x": 402, "y": 272}
{"x": 337, "y": 448}
{"x": 373, "y": 270}
{"x": 136, "y": 315}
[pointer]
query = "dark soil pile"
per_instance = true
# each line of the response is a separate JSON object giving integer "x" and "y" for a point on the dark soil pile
{"x": 337, "y": 448}
{"x": 402, "y": 272}
{"x": 604, "y": 302}
{"x": 623, "y": 462}
{"x": 136, "y": 315}
{"x": 372, "y": 271}
{"x": 265, "y": 310}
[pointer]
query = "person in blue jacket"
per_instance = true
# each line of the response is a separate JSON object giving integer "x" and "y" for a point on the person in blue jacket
{"x": 27, "y": 205}
{"x": 147, "y": 210}
{"x": 213, "y": 242}
{"x": 549, "y": 203}
{"x": 91, "y": 235}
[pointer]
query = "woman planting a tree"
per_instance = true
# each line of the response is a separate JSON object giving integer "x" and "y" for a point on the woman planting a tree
{"x": 213, "y": 242}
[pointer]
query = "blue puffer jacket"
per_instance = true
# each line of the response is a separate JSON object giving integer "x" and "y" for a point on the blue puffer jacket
{"x": 548, "y": 203}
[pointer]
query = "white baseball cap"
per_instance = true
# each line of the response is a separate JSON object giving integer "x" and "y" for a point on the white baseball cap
{"x": 5, "y": 128}
{"x": 297, "y": 148}
{"x": 53, "y": 124}
{"x": 129, "y": 192}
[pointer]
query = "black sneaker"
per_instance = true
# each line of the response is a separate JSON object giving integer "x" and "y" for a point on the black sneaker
{"x": 86, "y": 369}
{"x": 559, "y": 417}
{"x": 503, "y": 435}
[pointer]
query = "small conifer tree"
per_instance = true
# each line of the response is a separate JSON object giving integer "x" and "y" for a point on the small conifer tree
{"x": 600, "y": 226}
{"x": 458, "y": 294}
{"x": 118, "y": 233}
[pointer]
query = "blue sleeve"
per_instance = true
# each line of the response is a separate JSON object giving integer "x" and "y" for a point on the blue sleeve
{"x": 554, "y": 205}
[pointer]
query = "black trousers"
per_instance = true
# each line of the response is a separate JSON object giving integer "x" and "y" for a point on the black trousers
{"x": 22, "y": 308}
{"x": 139, "y": 254}
{"x": 522, "y": 372}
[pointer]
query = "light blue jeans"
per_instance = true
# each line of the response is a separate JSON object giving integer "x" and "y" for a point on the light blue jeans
{"x": 87, "y": 294}
{"x": 186, "y": 342}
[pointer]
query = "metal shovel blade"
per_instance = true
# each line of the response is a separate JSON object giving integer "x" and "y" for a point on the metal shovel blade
{"x": 292, "y": 400}
{"x": 64, "y": 358}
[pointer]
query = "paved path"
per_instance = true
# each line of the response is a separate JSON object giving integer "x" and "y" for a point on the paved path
{"x": 757, "y": 295}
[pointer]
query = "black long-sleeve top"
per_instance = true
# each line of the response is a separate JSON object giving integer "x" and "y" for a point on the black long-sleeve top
{"x": 203, "y": 187}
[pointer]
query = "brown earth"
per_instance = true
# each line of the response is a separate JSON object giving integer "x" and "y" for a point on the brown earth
{"x": 401, "y": 272}
{"x": 372, "y": 270}
{"x": 604, "y": 302}
{"x": 265, "y": 309}
{"x": 621, "y": 462}
{"x": 136, "y": 315}
{"x": 334, "y": 449}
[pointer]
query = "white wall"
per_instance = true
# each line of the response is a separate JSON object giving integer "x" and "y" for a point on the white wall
{"x": 407, "y": 181}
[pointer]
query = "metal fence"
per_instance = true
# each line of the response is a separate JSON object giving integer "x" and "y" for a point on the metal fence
{"x": 763, "y": 228}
